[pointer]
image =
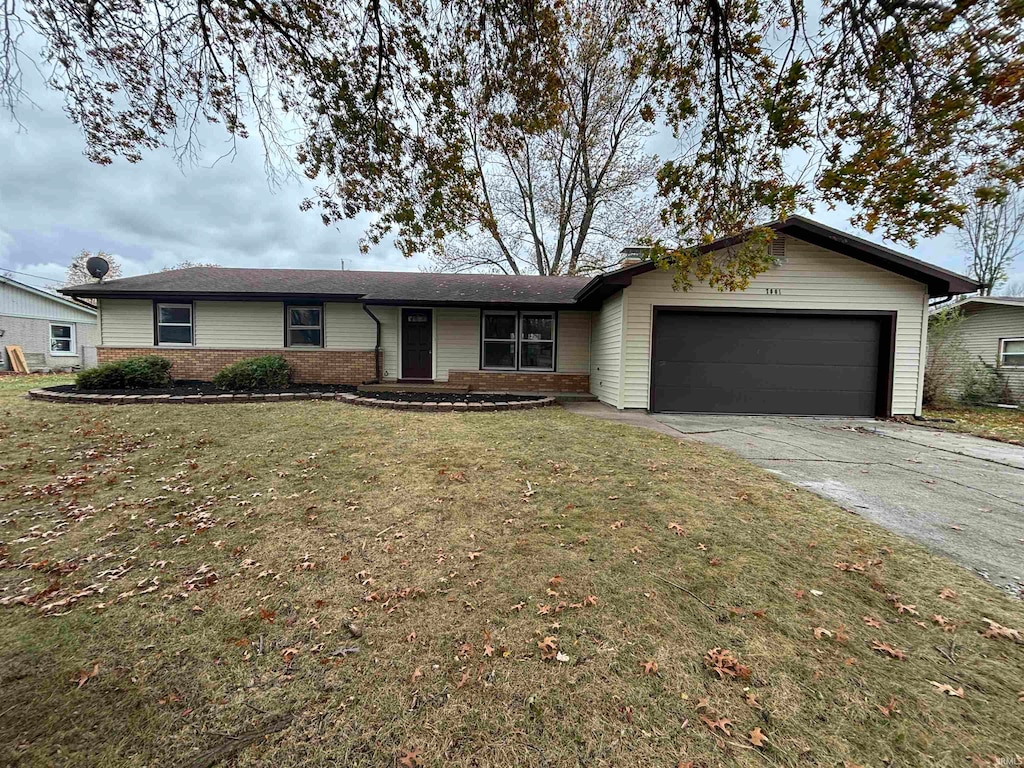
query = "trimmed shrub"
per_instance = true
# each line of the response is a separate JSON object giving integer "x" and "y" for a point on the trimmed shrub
{"x": 145, "y": 372}
{"x": 254, "y": 373}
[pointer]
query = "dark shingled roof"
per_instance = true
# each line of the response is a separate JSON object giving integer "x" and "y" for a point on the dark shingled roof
{"x": 371, "y": 287}
{"x": 475, "y": 290}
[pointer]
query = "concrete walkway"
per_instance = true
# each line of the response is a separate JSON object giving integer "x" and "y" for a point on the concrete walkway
{"x": 958, "y": 495}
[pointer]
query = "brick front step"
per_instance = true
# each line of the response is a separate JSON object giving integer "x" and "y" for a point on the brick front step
{"x": 519, "y": 381}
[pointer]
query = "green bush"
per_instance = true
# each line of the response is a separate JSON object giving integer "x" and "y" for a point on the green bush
{"x": 267, "y": 372}
{"x": 146, "y": 372}
{"x": 983, "y": 384}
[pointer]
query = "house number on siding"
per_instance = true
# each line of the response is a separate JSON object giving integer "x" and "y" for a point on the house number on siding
{"x": 773, "y": 291}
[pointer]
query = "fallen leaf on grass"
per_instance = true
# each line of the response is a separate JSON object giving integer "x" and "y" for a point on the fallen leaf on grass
{"x": 871, "y": 621}
{"x": 474, "y": 555}
{"x": 895, "y": 653}
{"x": 548, "y": 647}
{"x": 677, "y": 528}
{"x": 948, "y": 689}
{"x": 996, "y": 631}
{"x": 288, "y": 654}
{"x": 617, "y": 524}
{"x": 650, "y": 667}
{"x": 820, "y": 632}
{"x": 417, "y": 674}
{"x": 721, "y": 724}
{"x": 724, "y": 664}
{"x": 947, "y": 594}
{"x": 889, "y": 709}
{"x": 751, "y": 700}
{"x": 902, "y": 608}
{"x": 84, "y": 676}
{"x": 757, "y": 738}
{"x": 518, "y": 607}
{"x": 410, "y": 759}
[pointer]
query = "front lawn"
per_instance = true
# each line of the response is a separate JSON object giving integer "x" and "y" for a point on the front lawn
{"x": 1004, "y": 424}
{"x": 177, "y": 585}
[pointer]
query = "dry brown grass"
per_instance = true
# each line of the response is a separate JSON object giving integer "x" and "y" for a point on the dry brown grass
{"x": 1004, "y": 424}
{"x": 390, "y": 510}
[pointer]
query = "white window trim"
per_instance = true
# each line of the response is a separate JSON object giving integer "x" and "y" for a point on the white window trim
{"x": 74, "y": 344}
{"x": 514, "y": 341}
{"x": 190, "y": 325}
{"x": 1002, "y": 352}
{"x": 519, "y": 340}
{"x": 289, "y": 327}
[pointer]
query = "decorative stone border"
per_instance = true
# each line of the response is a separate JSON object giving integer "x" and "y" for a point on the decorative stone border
{"x": 82, "y": 398}
{"x": 346, "y": 397}
{"x": 402, "y": 405}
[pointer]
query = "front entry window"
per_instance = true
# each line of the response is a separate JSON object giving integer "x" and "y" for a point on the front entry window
{"x": 523, "y": 341}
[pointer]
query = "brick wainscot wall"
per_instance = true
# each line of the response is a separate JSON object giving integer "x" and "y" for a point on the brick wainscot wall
{"x": 309, "y": 366}
{"x": 499, "y": 381}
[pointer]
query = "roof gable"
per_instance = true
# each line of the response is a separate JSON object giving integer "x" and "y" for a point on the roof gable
{"x": 39, "y": 293}
{"x": 940, "y": 282}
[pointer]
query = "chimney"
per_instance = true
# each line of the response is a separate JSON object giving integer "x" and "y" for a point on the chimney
{"x": 633, "y": 255}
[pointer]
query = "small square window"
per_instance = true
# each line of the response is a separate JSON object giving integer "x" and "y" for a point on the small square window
{"x": 174, "y": 324}
{"x": 62, "y": 339}
{"x": 305, "y": 326}
{"x": 1011, "y": 353}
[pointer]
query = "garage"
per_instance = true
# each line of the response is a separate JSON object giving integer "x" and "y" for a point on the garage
{"x": 771, "y": 362}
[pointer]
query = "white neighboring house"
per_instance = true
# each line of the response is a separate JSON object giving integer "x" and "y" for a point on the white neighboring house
{"x": 993, "y": 332}
{"x": 53, "y": 332}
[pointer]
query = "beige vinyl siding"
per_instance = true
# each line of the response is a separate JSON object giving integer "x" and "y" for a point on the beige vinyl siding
{"x": 456, "y": 341}
{"x": 573, "y": 344}
{"x": 606, "y": 350}
{"x": 347, "y": 326}
{"x": 388, "y": 317}
{"x": 811, "y": 277}
{"x": 984, "y": 325}
{"x": 126, "y": 322}
{"x": 239, "y": 324}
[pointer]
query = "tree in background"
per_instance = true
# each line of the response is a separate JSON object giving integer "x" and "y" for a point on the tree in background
{"x": 77, "y": 274}
{"x": 564, "y": 197}
{"x": 991, "y": 236}
{"x": 186, "y": 264}
{"x": 890, "y": 105}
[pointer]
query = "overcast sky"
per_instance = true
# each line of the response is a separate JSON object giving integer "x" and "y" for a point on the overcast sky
{"x": 55, "y": 203}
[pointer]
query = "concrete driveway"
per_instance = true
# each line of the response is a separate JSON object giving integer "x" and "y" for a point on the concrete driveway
{"x": 958, "y": 495}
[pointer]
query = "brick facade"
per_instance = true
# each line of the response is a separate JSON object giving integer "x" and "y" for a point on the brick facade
{"x": 309, "y": 366}
{"x": 513, "y": 381}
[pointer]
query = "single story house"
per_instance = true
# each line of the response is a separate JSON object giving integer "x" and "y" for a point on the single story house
{"x": 993, "y": 332}
{"x": 52, "y": 331}
{"x": 837, "y": 327}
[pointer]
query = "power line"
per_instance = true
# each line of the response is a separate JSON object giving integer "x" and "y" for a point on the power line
{"x": 26, "y": 274}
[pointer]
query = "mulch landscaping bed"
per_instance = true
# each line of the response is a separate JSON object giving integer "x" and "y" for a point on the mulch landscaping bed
{"x": 447, "y": 397}
{"x": 182, "y": 388}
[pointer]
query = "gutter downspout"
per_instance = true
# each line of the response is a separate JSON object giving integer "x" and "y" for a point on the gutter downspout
{"x": 376, "y": 349}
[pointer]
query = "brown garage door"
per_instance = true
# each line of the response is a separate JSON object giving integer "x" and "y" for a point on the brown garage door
{"x": 770, "y": 363}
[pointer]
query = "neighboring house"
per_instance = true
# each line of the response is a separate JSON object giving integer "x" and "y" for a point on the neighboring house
{"x": 836, "y": 327}
{"x": 52, "y": 331}
{"x": 993, "y": 332}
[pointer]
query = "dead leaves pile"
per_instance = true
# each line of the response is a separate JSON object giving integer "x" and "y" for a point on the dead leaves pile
{"x": 724, "y": 664}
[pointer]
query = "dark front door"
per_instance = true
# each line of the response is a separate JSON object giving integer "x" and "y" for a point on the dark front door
{"x": 717, "y": 362}
{"x": 417, "y": 343}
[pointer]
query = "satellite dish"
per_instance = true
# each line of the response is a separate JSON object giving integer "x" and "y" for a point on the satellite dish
{"x": 97, "y": 266}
